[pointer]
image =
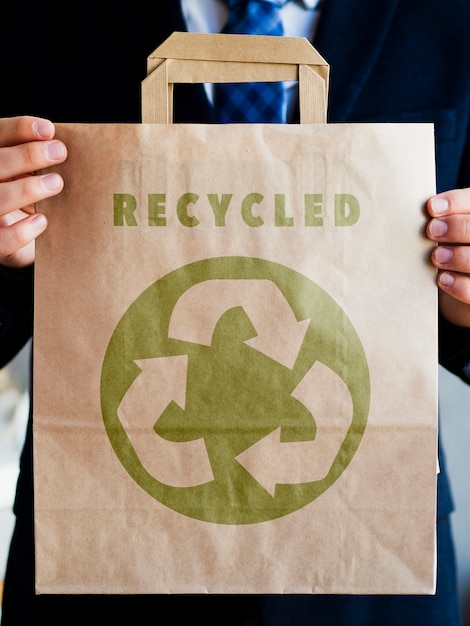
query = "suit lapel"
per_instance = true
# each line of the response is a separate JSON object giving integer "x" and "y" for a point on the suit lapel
{"x": 350, "y": 36}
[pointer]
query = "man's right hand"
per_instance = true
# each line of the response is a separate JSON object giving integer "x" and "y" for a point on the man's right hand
{"x": 27, "y": 144}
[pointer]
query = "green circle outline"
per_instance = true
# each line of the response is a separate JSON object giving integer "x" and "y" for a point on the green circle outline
{"x": 331, "y": 339}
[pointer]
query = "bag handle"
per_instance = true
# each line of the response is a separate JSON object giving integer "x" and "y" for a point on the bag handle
{"x": 219, "y": 58}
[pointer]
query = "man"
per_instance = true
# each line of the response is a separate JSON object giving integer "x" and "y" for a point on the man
{"x": 390, "y": 61}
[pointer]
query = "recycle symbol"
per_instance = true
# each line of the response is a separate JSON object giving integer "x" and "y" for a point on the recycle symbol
{"x": 235, "y": 390}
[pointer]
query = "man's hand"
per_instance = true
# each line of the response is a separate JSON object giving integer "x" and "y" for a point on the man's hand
{"x": 27, "y": 144}
{"x": 450, "y": 228}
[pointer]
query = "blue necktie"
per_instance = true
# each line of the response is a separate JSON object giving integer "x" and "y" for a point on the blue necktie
{"x": 251, "y": 102}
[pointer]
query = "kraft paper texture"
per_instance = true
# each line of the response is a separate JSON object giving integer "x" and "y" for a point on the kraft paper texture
{"x": 235, "y": 362}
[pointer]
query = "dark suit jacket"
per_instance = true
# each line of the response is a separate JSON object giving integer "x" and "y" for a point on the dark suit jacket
{"x": 390, "y": 60}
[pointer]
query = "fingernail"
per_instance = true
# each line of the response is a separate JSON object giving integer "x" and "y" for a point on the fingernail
{"x": 440, "y": 205}
{"x": 38, "y": 222}
{"x": 55, "y": 150}
{"x": 443, "y": 255}
{"x": 52, "y": 182}
{"x": 43, "y": 129}
{"x": 446, "y": 279}
{"x": 437, "y": 228}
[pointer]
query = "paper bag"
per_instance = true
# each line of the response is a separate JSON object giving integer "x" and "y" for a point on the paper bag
{"x": 235, "y": 355}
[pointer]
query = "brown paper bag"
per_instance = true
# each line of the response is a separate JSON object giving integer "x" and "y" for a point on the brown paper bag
{"x": 235, "y": 348}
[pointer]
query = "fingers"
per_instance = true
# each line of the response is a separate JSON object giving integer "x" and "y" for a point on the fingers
{"x": 455, "y": 258}
{"x": 29, "y": 157}
{"x": 449, "y": 226}
{"x": 27, "y": 146}
{"x": 23, "y": 129}
{"x": 454, "y": 268}
{"x": 23, "y": 193}
{"x": 450, "y": 202}
{"x": 17, "y": 240}
{"x": 451, "y": 217}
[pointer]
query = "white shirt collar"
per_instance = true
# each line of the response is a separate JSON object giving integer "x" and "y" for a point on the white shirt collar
{"x": 208, "y": 16}
{"x": 309, "y": 4}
